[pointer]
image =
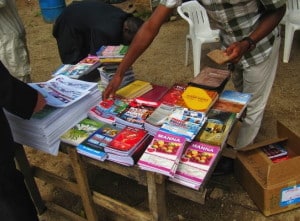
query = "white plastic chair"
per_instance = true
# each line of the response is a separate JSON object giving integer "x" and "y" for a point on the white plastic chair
{"x": 292, "y": 24}
{"x": 199, "y": 30}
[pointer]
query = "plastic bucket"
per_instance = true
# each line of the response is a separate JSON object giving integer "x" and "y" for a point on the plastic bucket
{"x": 51, "y": 9}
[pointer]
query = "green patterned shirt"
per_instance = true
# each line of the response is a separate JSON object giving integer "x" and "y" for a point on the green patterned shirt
{"x": 238, "y": 19}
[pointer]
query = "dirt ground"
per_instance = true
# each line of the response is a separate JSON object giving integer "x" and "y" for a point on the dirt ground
{"x": 162, "y": 63}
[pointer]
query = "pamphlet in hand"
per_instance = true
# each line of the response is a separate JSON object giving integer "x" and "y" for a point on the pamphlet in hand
{"x": 62, "y": 91}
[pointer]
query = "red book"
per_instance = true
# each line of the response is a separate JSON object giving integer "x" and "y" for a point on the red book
{"x": 174, "y": 95}
{"x": 153, "y": 96}
{"x": 126, "y": 140}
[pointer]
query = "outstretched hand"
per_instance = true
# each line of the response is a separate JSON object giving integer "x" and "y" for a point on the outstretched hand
{"x": 112, "y": 87}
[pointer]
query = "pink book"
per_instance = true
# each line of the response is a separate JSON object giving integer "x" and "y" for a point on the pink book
{"x": 196, "y": 161}
{"x": 163, "y": 153}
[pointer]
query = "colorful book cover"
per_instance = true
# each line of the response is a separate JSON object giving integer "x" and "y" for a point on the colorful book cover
{"x": 127, "y": 139}
{"x": 174, "y": 95}
{"x": 94, "y": 145}
{"x": 199, "y": 99}
{"x": 160, "y": 114}
{"x": 81, "y": 131}
{"x": 217, "y": 127}
{"x": 232, "y": 101}
{"x": 163, "y": 153}
{"x": 95, "y": 114}
{"x": 274, "y": 150}
{"x": 196, "y": 161}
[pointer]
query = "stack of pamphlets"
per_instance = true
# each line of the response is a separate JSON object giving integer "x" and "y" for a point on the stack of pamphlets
{"x": 107, "y": 110}
{"x": 158, "y": 117}
{"x": 163, "y": 153}
{"x": 43, "y": 131}
{"x": 95, "y": 144}
{"x": 184, "y": 122}
{"x": 80, "y": 69}
{"x": 195, "y": 163}
{"x": 112, "y": 53}
{"x": 107, "y": 72}
{"x": 127, "y": 146}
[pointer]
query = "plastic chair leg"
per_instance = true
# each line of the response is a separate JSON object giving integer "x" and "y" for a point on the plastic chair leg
{"x": 288, "y": 40}
{"x": 187, "y": 46}
{"x": 197, "y": 46}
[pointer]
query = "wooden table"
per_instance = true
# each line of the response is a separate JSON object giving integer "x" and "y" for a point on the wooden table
{"x": 157, "y": 185}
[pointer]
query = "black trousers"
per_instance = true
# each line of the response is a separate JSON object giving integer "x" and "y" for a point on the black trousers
{"x": 15, "y": 201}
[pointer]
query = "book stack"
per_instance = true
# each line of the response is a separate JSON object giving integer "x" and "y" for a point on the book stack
{"x": 107, "y": 110}
{"x": 107, "y": 72}
{"x": 232, "y": 101}
{"x": 44, "y": 129}
{"x": 217, "y": 127}
{"x": 95, "y": 144}
{"x": 112, "y": 53}
{"x": 81, "y": 131}
{"x": 156, "y": 119}
{"x": 134, "y": 89}
{"x": 184, "y": 122}
{"x": 134, "y": 115}
{"x": 127, "y": 146}
{"x": 195, "y": 163}
{"x": 211, "y": 79}
{"x": 163, "y": 153}
{"x": 80, "y": 69}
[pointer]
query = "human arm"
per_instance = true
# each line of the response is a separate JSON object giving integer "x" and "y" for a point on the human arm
{"x": 17, "y": 97}
{"x": 268, "y": 21}
{"x": 140, "y": 43}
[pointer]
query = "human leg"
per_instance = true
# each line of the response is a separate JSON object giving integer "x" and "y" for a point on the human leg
{"x": 15, "y": 201}
{"x": 258, "y": 81}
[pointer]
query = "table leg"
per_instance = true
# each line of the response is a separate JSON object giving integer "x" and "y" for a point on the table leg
{"x": 157, "y": 196}
{"x": 82, "y": 182}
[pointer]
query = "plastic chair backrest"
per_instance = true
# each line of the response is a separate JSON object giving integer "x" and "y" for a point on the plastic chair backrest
{"x": 195, "y": 14}
{"x": 293, "y": 11}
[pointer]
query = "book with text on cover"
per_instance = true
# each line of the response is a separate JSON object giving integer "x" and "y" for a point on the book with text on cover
{"x": 274, "y": 150}
{"x": 195, "y": 163}
{"x": 199, "y": 99}
{"x": 126, "y": 141}
{"x": 94, "y": 145}
{"x": 174, "y": 95}
{"x": 163, "y": 153}
{"x": 217, "y": 127}
{"x": 81, "y": 131}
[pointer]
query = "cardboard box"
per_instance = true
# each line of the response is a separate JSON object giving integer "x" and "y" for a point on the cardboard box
{"x": 274, "y": 187}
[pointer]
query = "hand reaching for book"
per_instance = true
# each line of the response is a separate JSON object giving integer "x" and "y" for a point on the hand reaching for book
{"x": 112, "y": 87}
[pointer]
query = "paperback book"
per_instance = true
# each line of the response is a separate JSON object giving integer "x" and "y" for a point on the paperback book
{"x": 163, "y": 153}
{"x": 134, "y": 89}
{"x": 211, "y": 79}
{"x": 232, "y": 101}
{"x": 195, "y": 163}
{"x": 126, "y": 141}
{"x": 217, "y": 127}
{"x": 94, "y": 145}
{"x": 199, "y": 99}
{"x": 76, "y": 71}
{"x": 152, "y": 97}
{"x": 275, "y": 151}
{"x": 174, "y": 95}
{"x": 81, "y": 131}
